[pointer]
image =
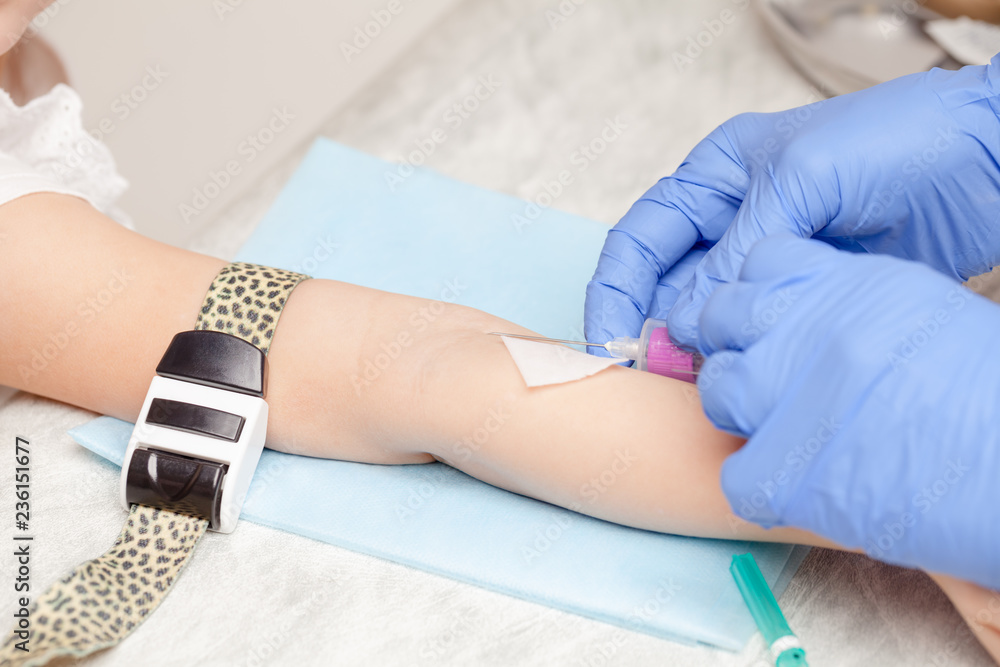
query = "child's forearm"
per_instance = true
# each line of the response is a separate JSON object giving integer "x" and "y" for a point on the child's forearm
{"x": 626, "y": 446}
{"x": 358, "y": 374}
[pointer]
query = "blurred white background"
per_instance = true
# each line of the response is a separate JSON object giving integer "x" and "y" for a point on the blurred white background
{"x": 181, "y": 89}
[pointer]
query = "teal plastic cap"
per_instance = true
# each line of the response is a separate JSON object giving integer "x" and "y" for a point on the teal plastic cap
{"x": 793, "y": 657}
{"x": 766, "y": 612}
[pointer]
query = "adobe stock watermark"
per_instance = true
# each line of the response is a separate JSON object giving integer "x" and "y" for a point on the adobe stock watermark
{"x": 598, "y": 485}
{"x": 705, "y": 38}
{"x": 761, "y": 321}
{"x": 585, "y": 155}
{"x": 270, "y": 469}
{"x": 418, "y": 321}
{"x": 564, "y": 10}
{"x": 125, "y": 104}
{"x": 419, "y": 493}
{"x": 468, "y": 622}
{"x": 453, "y": 118}
{"x": 909, "y": 346}
{"x": 545, "y": 537}
{"x": 796, "y": 460}
{"x": 898, "y": 16}
{"x": 602, "y": 654}
{"x": 223, "y": 8}
{"x": 246, "y": 152}
{"x": 788, "y": 123}
{"x": 591, "y": 491}
{"x": 30, "y": 28}
{"x": 369, "y": 31}
{"x": 921, "y": 503}
{"x": 470, "y": 444}
{"x": 86, "y": 312}
{"x": 913, "y": 169}
{"x": 464, "y": 449}
{"x": 666, "y": 590}
{"x": 322, "y": 251}
{"x": 266, "y": 645}
{"x": 766, "y": 318}
{"x": 984, "y": 620}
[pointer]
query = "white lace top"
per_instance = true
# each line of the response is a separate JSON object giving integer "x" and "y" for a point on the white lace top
{"x": 44, "y": 148}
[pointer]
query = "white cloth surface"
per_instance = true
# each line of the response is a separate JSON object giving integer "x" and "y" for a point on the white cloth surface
{"x": 546, "y": 363}
{"x": 250, "y": 598}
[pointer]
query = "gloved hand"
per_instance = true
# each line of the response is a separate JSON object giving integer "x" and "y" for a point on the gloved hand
{"x": 907, "y": 168}
{"x": 869, "y": 388}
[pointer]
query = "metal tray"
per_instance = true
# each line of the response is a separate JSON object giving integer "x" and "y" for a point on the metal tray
{"x": 844, "y": 46}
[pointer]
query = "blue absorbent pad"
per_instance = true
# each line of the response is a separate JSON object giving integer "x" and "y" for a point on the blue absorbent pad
{"x": 348, "y": 216}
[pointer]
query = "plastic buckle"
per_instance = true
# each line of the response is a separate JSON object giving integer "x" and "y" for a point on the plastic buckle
{"x": 200, "y": 434}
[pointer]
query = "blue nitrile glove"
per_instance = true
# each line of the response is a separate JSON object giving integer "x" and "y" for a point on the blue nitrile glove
{"x": 907, "y": 168}
{"x": 869, "y": 387}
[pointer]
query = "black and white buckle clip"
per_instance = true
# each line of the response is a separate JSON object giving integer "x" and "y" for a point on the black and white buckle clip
{"x": 199, "y": 437}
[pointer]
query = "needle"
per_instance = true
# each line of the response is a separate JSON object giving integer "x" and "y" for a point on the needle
{"x": 543, "y": 339}
{"x": 618, "y": 352}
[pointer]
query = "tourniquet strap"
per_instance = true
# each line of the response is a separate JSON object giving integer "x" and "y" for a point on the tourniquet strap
{"x": 104, "y": 599}
{"x": 245, "y": 300}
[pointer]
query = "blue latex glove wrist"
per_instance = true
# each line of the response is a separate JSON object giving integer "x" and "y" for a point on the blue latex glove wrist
{"x": 907, "y": 168}
{"x": 869, "y": 388}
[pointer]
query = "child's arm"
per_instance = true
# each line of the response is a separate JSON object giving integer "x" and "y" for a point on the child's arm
{"x": 91, "y": 307}
{"x": 94, "y": 306}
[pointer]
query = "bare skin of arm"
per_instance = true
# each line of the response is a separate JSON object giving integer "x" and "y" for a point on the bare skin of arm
{"x": 625, "y": 446}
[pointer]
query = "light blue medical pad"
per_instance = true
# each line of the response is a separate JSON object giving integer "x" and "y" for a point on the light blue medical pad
{"x": 348, "y": 216}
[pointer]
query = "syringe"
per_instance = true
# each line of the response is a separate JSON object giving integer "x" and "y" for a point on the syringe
{"x": 652, "y": 351}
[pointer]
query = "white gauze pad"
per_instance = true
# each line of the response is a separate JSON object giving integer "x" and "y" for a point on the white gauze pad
{"x": 544, "y": 363}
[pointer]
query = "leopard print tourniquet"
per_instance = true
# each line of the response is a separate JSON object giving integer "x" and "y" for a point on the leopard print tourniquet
{"x": 245, "y": 300}
{"x": 103, "y": 600}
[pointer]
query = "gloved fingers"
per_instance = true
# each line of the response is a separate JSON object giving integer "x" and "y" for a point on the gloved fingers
{"x": 762, "y": 214}
{"x": 781, "y": 255}
{"x": 664, "y": 294}
{"x": 747, "y": 482}
{"x": 698, "y": 202}
{"x": 670, "y": 284}
{"x": 736, "y": 315}
{"x": 731, "y": 318}
{"x": 636, "y": 253}
{"x": 651, "y": 238}
{"x": 733, "y": 390}
{"x": 763, "y": 479}
{"x": 790, "y": 472}
{"x": 718, "y": 392}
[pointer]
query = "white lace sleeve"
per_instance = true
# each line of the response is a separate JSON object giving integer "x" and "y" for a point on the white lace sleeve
{"x": 44, "y": 148}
